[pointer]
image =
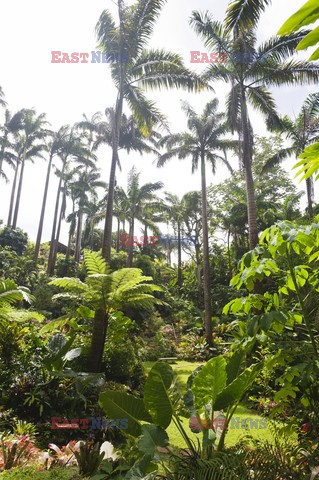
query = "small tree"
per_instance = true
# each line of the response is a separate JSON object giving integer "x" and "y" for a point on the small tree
{"x": 107, "y": 293}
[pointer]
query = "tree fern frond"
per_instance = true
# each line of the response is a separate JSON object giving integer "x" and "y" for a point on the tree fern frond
{"x": 94, "y": 263}
{"x": 70, "y": 283}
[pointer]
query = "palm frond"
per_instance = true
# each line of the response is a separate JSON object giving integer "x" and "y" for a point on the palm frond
{"x": 242, "y": 15}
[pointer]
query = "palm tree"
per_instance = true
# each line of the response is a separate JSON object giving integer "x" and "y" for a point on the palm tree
{"x": 177, "y": 214}
{"x": 193, "y": 227}
{"x": 55, "y": 147}
{"x": 72, "y": 150}
{"x": 84, "y": 190}
{"x": 12, "y": 124}
{"x": 303, "y": 131}
{"x": 29, "y": 148}
{"x": 138, "y": 197}
{"x": 143, "y": 69}
{"x": 250, "y": 71}
{"x": 120, "y": 211}
{"x": 107, "y": 293}
{"x": 201, "y": 143}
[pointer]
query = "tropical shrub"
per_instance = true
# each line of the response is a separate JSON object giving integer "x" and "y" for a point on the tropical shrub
{"x": 14, "y": 238}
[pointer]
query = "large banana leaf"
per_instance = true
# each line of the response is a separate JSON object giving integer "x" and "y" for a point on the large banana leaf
{"x": 152, "y": 437}
{"x": 122, "y": 405}
{"x": 156, "y": 396}
{"x": 209, "y": 382}
{"x": 234, "y": 392}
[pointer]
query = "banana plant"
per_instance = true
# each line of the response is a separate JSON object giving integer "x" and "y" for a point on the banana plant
{"x": 218, "y": 385}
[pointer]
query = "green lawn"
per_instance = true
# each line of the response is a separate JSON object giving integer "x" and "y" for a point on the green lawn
{"x": 183, "y": 369}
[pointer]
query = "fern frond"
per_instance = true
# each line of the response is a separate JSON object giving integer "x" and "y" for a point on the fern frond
{"x": 70, "y": 283}
{"x": 10, "y": 293}
{"x": 126, "y": 275}
{"x": 95, "y": 263}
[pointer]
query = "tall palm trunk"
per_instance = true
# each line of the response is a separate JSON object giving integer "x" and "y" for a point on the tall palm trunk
{"x": 13, "y": 192}
{"x": 131, "y": 244}
{"x": 44, "y": 202}
{"x": 91, "y": 235}
{"x": 78, "y": 235}
{"x": 55, "y": 221}
{"x": 309, "y": 184}
{"x": 68, "y": 250}
{"x": 179, "y": 259}
{"x": 250, "y": 188}
{"x": 207, "y": 288}
{"x": 100, "y": 325}
{"x": 17, "y": 205}
{"x": 198, "y": 266}
{"x": 118, "y": 235}
{"x": 229, "y": 255}
{"x": 107, "y": 237}
{"x": 57, "y": 238}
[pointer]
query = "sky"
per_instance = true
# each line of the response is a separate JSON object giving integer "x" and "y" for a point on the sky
{"x": 32, "y": 29}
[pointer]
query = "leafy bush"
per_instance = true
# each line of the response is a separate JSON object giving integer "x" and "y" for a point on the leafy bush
{"x": 145, "y": 264}
{"x": 32, "y": 473}
{"x": 121, "y": 363}
{"x": 65, "y": 267}
{"x": 14, "y": 238}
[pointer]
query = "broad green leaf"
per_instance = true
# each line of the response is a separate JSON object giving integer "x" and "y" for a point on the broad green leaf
{"x": 311, "y": 39}
{"x": 122, "y": 405}
{"x": 306, "y": 15}
{"x": 85, "y": 312}
{"x": 138, "y": 471}
{"x": 233, "y": 366}
{"x": 210, "y": 381}
{"x": 151, "y": 438}
{"x": 234, "y": 392}
{"x": 72, "y": 354}
{"x": 156, "y": 397}
{"x": 314, "y": 56}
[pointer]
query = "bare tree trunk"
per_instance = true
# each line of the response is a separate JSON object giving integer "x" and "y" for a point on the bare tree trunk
{"x": 198, "y": 268}
{"x": 44, "y": 202}
{"x": 68, "y": 250}
{"x": 309, "y": 185}
{"x": 100, "y": 325}
{"x": 55, "y": 221}
{"x": 207, "y": 287}
{"x": 116, "y": 127}
{"x": 179, "y": 261}
{"x": 56, "y": 242}
{"x": 250, "y": 189}
{"x": 118, "y": 235}
{"x": 229, "y": 256}
{"x": 17, "y": 205}
{"x": 78, "y": 235}
{"x": 131, "y": 244}
{"x": 13, "y": 191}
